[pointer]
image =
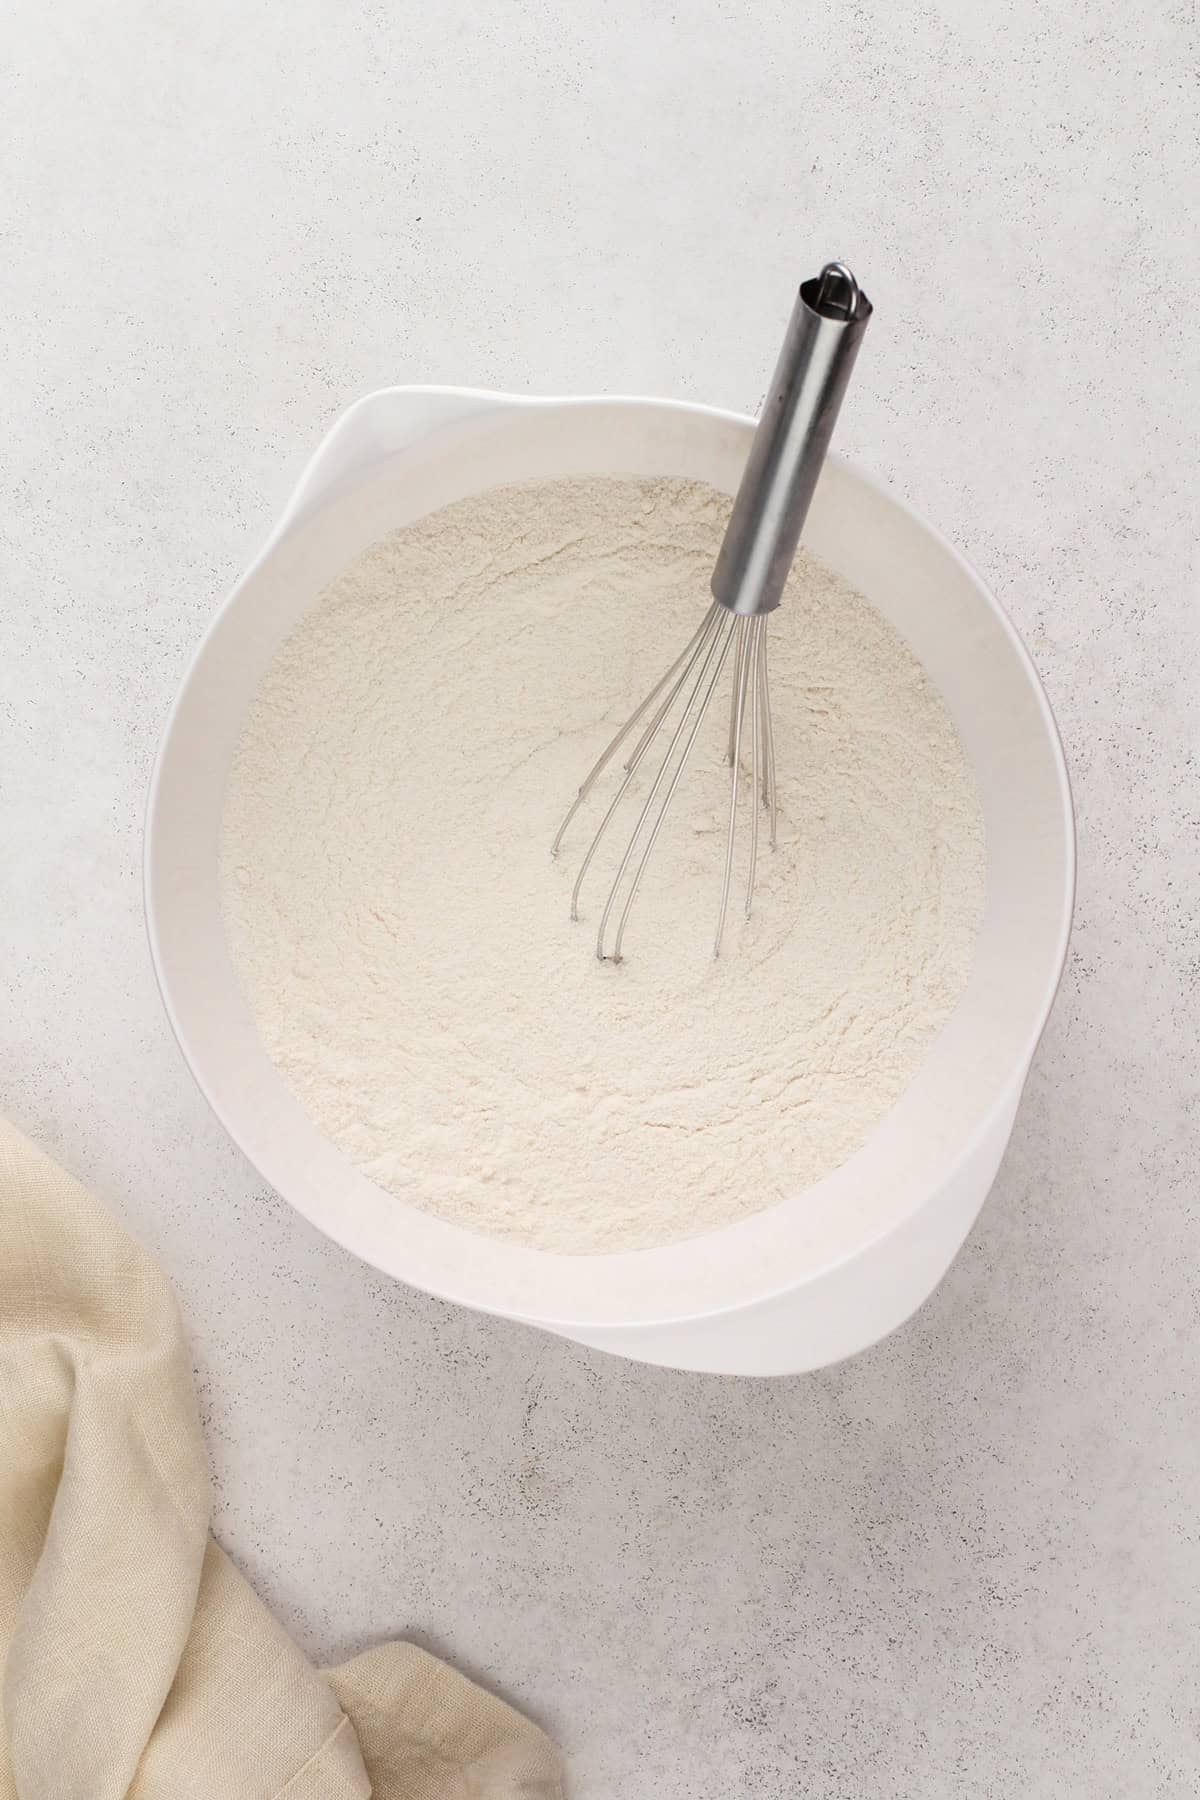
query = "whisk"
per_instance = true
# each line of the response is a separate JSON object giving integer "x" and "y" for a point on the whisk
{"x": 755, "y": 558}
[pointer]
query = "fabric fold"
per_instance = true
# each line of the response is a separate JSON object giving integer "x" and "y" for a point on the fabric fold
{"x": 138, "y": 1664}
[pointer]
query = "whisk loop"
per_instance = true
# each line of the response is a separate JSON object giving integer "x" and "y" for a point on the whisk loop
{"x": 785, "y": 460}
{"x": 719, "y": 634}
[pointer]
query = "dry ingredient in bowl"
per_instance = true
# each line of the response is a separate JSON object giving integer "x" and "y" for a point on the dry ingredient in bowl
{"x": 403, "y": 934}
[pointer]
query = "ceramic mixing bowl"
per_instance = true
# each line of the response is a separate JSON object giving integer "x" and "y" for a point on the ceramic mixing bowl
{"x": 830, "y": 1268}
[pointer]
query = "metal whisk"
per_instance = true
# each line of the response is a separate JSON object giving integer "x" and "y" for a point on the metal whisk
{"x": 756, "y": 555}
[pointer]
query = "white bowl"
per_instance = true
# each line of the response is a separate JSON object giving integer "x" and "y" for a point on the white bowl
{"x": 833, "y": 1267}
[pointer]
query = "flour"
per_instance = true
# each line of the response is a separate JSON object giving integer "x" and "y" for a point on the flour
{"x": 404, "y": 937}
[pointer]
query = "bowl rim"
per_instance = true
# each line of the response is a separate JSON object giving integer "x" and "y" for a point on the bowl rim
{"x": 293, "y": 513}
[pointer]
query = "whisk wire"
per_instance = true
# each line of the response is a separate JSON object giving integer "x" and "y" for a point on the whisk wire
{"x": 718, "y": 635}
{"x": 754, "y": 659}
{"x": 764, "y": 687}
{"x": 707, "y": 632}
{"x": 602, "y": 761}
{"x": 738, "y": 660}
{"x": 666, "y": 705}
{"x": 724, "y": 640}
{"x": 741, "y": 626}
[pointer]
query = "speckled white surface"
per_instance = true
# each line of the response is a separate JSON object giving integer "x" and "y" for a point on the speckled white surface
{"x": 968, "y": 1563}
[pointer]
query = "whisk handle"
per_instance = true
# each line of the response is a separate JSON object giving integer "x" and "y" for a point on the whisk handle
{"x": 793, "y": 433}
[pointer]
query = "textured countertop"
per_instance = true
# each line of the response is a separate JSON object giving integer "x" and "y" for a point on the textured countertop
{"x": 967, "y": 1563}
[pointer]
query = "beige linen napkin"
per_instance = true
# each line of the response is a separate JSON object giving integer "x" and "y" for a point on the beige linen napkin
{"x": 136, "y": 1660}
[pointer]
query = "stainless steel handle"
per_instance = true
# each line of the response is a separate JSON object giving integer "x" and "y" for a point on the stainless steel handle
{"x": 794, "y": 429}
